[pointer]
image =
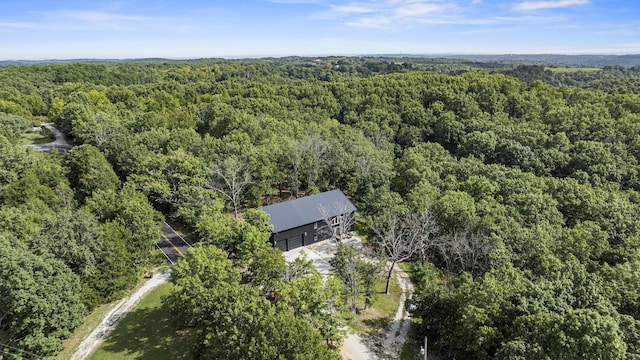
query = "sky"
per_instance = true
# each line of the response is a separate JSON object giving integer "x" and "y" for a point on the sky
{"x": 181, "y": 29}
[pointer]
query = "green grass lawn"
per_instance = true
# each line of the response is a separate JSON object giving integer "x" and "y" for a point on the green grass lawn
{"x": 42, "y": 137}
{"x": 377, "y": 317}
{"x": 146, "y": 333}
{"x": 373, "y": 322}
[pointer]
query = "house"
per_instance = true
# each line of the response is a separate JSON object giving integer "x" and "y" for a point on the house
{"x": 310, "y": 219}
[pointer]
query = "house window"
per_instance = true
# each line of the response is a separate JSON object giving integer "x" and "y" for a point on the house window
{"x": 315, "y": 226}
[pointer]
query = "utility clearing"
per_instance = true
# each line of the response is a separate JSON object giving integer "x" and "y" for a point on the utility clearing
{"x": 110, "y": 321}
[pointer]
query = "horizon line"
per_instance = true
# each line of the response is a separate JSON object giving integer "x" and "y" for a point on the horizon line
{"x": 279, "y": 56}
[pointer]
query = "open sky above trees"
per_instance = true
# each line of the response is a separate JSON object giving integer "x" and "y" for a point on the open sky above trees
{"x": 44, "y": 29}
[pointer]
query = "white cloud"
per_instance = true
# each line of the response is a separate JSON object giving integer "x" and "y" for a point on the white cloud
{"x": 386, "y": 13}
{"x": 352, "y": 9}
{"x": 15, "y": 25}
{"x": 378, "y": 22}
{"x": 547, "y": 4}
{"x": 84, "y": 19}
{"x": 418, "y": 9}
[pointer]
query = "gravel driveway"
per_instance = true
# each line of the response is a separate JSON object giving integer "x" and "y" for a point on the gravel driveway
{"x": 109, "y": 322}
{"x": 353, "y": 347}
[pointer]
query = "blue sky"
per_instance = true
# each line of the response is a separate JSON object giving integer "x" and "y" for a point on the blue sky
{"x": 48, "y": 29}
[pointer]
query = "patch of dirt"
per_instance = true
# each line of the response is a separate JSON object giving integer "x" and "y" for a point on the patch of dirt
{"x": 396, "y": 335}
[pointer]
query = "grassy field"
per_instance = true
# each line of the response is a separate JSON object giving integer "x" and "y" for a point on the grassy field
{"x": 42, "y": 137}
{"x": 146, "y": 333}
{"x": 571, "y": 69}
{"x": 95, "y": 317}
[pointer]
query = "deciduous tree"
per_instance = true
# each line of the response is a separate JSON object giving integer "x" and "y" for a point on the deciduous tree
{"x": 230, "y": 179}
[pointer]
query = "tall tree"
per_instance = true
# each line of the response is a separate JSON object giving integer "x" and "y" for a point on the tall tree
{"x": 345, "y": 265}
{"x": 393, "y": 237}
{"x": 230, "y": 178}
{"x": 39, "y": 300}
{"x": 90, "y": 171}
{"x": 424, "y": 229}
{"x": 233, "y": 321}
{"x": 74, "y": 238}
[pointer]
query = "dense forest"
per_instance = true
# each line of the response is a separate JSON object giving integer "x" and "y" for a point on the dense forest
{"x": 531, "y": 173}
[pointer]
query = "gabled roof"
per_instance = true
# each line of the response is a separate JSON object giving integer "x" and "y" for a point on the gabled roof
{"x": 306, "y": 210}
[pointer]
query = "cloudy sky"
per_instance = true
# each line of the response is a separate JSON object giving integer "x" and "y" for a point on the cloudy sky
{"x": 48, "y": 29}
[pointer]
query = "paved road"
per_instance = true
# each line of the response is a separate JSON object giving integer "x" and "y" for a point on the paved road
{"x": 61, "y": 143}
{"x": 172, "y": 245}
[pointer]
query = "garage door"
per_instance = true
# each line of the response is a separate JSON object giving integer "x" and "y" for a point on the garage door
{"x": 282, "y": 244}
{"x": 294, "y": 242}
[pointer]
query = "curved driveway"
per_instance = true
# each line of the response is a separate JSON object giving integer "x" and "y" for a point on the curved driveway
{"x": 61, "y": 143}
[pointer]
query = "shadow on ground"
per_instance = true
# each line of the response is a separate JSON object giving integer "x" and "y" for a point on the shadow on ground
{"x": 146, "y": 333}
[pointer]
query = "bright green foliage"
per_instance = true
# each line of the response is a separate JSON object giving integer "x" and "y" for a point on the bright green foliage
{"x": 75, "y": 238}
{"x": 13, "y": 159}
{"x": 11, "y": 126}
{"x": 215, "y": 227}
{"x": 24, "y": 221}
{"x": 455, "y": 210}
{"x": 206, "y": 266}
{"x": 532, "y": 175}
{"x": 241, "y": 325}
{"x": 39, "y": 298}
{"x": 346, "y": 264}
{"x": 115, "y": 270}
{"x": 579, "y": 334}
{"x": 139, "y": 222}
{"x": 267, "y": 270}
{"x": 240, "y": 238}
{"x": 234, "y": 321}
{"x": 89, "y": 171}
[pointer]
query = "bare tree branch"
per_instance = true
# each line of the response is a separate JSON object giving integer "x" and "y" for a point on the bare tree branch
{"x": 230, "y": 178}
{"x": 337, "y": 226}
{"x": 398, "y": 243}
{"x": 424, "y": 228}
{"x": 464, "y": 251}
{"x": 295, "y": 154}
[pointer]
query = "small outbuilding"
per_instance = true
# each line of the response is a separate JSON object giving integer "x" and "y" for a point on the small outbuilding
{"x": 310, "y": 219}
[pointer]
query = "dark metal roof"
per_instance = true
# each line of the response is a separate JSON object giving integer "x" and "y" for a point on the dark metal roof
{"x": 307, "y": 210}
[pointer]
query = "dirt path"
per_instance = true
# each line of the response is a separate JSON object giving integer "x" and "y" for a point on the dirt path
{"x": 355, "y": 348}
{"x": 396, "y": 335}
{"x": 91, "y": 342}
